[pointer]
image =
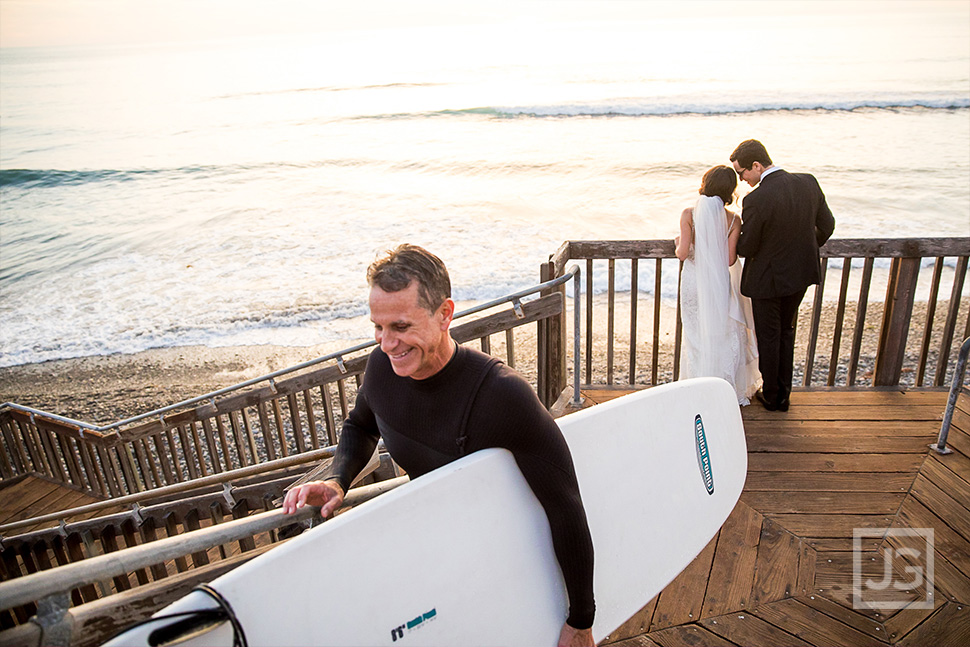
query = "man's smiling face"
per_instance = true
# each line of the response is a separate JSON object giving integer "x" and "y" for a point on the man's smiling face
{"x": 416, "y": 340}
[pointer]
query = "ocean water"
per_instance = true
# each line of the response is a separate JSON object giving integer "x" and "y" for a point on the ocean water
{"x": 233, "y": 192}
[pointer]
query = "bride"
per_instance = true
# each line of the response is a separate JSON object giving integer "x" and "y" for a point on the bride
{"x": 719, "y": 336}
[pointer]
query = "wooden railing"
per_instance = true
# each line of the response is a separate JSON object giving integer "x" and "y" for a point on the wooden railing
{"x": 289, "y": 416}
{"x": 903, "y": 337}
{"x": 222, "y": 459}
{"x": 83, "y": 603}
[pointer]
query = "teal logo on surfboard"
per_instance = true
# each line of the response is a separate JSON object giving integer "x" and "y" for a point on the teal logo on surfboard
{"x": 411, "y": 625}
{"x": 703, "y": 454}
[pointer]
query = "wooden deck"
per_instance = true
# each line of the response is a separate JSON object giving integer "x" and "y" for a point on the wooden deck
{"x": 33, "y": 495}
{"x": 780, "y": 571}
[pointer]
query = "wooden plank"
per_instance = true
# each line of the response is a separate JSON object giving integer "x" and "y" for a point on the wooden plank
{"x": 751, "y": 631}
{"x": 75, "y": 550}
{"x": 948, "y": 481}
{"x": 813, "y": 327}
{"x": 861, "y": 413}
{"x": 280, "y": 429}
{"x": 927, "y": 429}
{"x": 190, "y": 460}
{"x": 775, "y": 441}
{"x": 958, "y": 440}
{"x": 197, "y": 444}
{"x": 807, "y": 556}
{"x": 235, "y": 430}
{"x": 905, "y": 620}
{"x": 732, "y": 573}
{"x": 172, "y": 529}
{"x": 16, "y": 500}
{"x": 250, "y": 439}
{"x": 311, "y": 422}
{"x": 812, "y": 625}
{"x": 822, "y": 482}
{"x": 681, "y": 601}
{"x": 109, "y": 542}
{"x": 955, "y": 462}
{"x": 865, "y": 396}
{"x": 264, "y": 428}
{"x": 835, "y": 571}
{"x": 948, "y": 543}
{"x": 131, "y": 540}
{"x": 689, "y": 636}
{"x": 224, "y": 444}
{"x": 959, "y": 276}
{"x": 796, "y": 502}
{"x": 847, "y": 616}
{"x": 296, "y": 422}
{"x": 37, "y": 497}
{"x": 776, "y": 569}
{"x": 635, "y": 641}
{"x": 943, "y": 505}
{"x": 826, "y": 545}
{"x": 897, "y": 312}
{"x": 830, "y": 525}
{"x": 950, "y": 625}
{"x": 638, "y": 623}
{"x": 818, "y": 462}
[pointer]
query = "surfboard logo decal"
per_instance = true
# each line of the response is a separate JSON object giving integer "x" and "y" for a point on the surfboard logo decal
{"x": 703, "y": 455}
{"x": 411, "y": 625}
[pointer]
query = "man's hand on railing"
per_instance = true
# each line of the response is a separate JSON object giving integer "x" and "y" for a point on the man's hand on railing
{"x": 328, "y": 495}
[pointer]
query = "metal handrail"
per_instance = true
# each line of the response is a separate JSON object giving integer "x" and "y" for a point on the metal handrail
{"x": 514, "y": 299}
{"x": 42, "y": 584}
{"x": 951, "y": 402}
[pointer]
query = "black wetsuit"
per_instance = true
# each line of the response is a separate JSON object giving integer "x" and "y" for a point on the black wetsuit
{"x": 475, "y": 402}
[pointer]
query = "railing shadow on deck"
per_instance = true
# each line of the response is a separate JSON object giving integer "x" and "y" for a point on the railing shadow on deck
{"x": 889, "y": 313}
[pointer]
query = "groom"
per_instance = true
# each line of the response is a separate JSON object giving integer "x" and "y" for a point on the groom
{"x": 785, "y": 221}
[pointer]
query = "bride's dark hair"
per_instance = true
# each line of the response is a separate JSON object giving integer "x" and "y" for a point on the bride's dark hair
{"x": 720, "y": 182}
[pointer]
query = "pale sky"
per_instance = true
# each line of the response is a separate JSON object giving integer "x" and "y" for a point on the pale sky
{"x": 116, "y": 22}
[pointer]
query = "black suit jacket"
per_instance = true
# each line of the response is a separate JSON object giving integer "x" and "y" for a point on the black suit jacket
{"x": 784, "y": 222}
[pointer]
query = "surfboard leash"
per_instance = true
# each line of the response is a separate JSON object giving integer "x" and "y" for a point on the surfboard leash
{"x": 238, "y": 635}
{"x": 193, "y": 623}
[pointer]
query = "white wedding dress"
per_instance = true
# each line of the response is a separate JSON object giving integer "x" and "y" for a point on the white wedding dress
{"x": 718, "y": 326}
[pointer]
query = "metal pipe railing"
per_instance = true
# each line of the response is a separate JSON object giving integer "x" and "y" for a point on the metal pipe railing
{"x": 40, "y": 585}
{"x": 513, "y": 298}
{"x": 577, "y": 337}
{"x": 951, "y": 402}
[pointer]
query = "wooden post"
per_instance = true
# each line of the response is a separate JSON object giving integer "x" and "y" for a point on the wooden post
{"x": 552, "y": 348}
{"x": 542, "y": 364}
{"x": 900, "y": 294}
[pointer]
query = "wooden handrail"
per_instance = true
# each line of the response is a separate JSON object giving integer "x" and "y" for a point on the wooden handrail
{"x": 904, "y": 255}
{"x": 238, "y": 431}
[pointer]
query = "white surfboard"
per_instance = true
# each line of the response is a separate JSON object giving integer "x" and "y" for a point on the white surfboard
{"x": 463, "y": 555}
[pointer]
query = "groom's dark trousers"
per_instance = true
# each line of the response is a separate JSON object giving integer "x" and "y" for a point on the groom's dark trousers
{"x": 784, "y": 222}
{"x": 774, "y": 322}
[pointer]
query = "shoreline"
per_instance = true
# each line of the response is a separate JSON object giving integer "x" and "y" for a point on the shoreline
{"x": 102, "y": 389}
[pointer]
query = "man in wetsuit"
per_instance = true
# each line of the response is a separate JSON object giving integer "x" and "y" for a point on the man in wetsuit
{"x": 434, "y": 401}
